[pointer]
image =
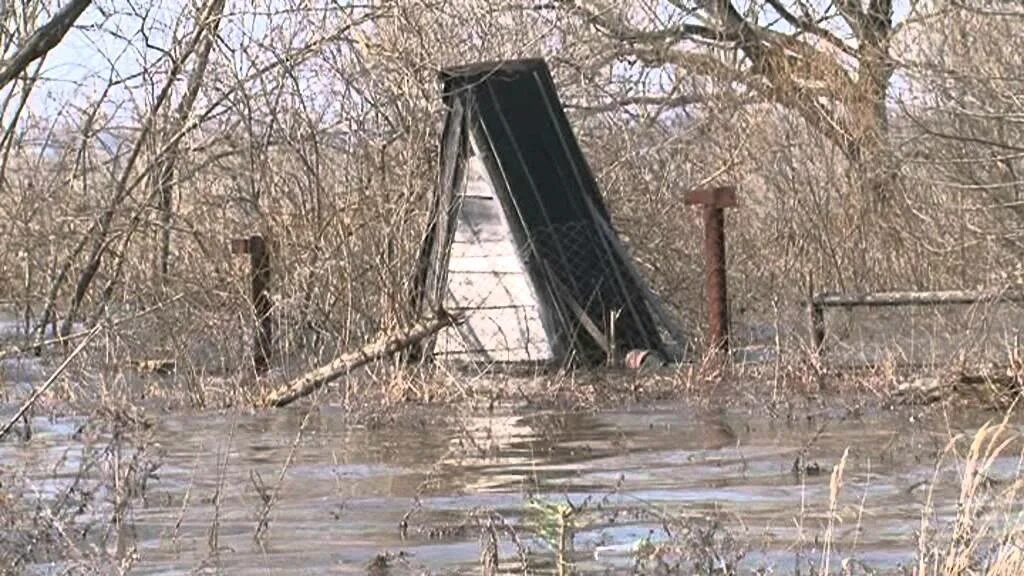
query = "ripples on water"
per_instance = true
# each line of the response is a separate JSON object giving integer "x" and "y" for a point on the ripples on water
{"x": 349, "y": 488}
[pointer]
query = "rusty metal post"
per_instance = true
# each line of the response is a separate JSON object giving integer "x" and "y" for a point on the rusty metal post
{"x": 714, "y": 201}
{"x": 815, "y": 320}
{"x": 259, "y": 277}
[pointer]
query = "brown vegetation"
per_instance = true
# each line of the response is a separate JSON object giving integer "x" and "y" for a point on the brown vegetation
{"x": 875, "y": 145}
{"x": 872, "y": 151}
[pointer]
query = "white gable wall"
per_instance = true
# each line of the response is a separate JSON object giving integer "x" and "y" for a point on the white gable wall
{"x": 488, "y": 283}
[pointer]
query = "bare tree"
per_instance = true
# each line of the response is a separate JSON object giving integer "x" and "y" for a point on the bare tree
{"x": 830, "y": 63}
{"x": 165, "y": 172}
{"x": 316, "y": 125}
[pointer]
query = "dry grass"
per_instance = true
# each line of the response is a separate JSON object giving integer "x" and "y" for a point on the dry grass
{"x": 985, "y": 535}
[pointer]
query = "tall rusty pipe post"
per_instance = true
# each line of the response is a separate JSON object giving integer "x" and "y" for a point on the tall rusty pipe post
{"x": 714, "y": 201}
{"x": 259, "y": 278}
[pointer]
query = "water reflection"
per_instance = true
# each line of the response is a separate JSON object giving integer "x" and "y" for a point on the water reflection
{"x": 349, "y": 487}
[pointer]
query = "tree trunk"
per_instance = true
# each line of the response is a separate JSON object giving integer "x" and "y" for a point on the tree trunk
{"x": 168, "y": 165}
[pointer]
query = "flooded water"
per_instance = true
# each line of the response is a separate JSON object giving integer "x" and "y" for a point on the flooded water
{"x": 348, "y": 490}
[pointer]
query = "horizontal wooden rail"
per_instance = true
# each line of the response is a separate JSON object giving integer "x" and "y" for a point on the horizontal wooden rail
{"x": 818, "y": 303}
{"x": 873, "y": 299}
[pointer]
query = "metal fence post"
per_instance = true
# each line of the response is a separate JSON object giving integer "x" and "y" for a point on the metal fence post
{"x": 815, "y": 320}
{"x": 714, "y": 201}
{"x": 259, "y": 278}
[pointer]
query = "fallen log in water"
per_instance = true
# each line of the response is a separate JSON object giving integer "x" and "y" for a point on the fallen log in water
{"x": 342, "y": 365}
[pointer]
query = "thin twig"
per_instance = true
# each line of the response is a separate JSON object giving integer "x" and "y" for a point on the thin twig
{"x": 19, "y": 350}
{"x": 49, "y": 382}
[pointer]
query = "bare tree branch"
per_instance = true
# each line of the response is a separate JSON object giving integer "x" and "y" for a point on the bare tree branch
{"x": 168, "y": 163}
{"x": 44, "y": 39}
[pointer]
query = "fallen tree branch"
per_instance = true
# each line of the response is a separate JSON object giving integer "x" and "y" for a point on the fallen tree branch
{"x": 344, "y": 364}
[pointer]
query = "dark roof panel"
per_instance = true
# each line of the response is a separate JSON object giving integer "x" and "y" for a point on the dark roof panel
{"x": 471, "y": 73}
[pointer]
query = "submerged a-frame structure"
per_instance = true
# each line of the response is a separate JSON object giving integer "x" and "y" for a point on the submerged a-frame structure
{"x": 520, "y": 241}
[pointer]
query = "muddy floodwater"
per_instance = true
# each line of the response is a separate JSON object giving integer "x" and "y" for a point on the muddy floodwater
{"x": 757, "y": 483}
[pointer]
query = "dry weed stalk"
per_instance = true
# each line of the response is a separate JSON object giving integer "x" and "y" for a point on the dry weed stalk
{"x": 835, "y": 486}
{"x": 985, "y": 534}
{"x": 269, "y": 498}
